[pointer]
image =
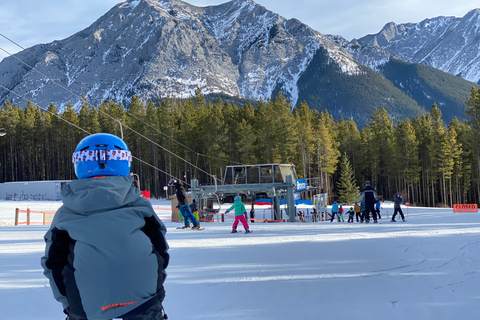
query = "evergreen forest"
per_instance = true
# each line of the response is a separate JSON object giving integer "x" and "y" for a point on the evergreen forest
{"x": 430, "y": 162}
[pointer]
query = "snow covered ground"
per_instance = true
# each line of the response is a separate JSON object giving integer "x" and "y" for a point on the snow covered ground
{"x": 427, "y": 268}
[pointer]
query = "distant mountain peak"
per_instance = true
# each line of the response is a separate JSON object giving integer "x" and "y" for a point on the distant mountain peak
{"x": 446, "y": 43}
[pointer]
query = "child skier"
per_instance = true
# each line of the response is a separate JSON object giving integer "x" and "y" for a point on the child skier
{"x": 240, "y": 213}
{"x": 377, "y": 209}
{"x": 351, "y": 213}
{"x": 362, "y": 210}
{"x": 358, "y": 212}
{"x": 340, "y": 214}
{"x": 106, "y": 252}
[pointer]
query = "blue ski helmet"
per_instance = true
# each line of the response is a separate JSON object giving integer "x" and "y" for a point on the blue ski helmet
{"x": 101, "y": 154}
{"x": 238, "y": 198}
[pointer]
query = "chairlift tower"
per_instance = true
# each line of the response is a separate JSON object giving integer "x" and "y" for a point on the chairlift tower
{"x": 271, "y": 180}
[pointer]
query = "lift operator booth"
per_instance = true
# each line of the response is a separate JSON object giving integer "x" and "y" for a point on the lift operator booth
{"x": 269, "y": 180}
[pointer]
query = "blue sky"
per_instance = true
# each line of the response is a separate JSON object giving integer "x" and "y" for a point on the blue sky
{"x": 30, "y": 22}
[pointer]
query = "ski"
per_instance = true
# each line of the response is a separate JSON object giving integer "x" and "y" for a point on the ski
{"x": 181, "y": 228}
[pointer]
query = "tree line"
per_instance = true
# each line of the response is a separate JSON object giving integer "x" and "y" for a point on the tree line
{"x": 430, "y": 162}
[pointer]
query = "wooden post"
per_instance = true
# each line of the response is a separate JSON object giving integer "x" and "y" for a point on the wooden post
{"x": 16, "y": 216}
{"x": 28, "y": 216}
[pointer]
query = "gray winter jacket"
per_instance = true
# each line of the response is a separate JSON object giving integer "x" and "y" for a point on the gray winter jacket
{"x": 106, "y": 252}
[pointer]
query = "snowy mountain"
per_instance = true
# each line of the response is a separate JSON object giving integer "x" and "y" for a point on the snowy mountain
{"x": 447, "y": 43}
{"x": 168, "y": 48}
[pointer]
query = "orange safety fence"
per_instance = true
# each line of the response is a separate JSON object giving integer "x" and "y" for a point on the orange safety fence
{"x": 465, "y": 207}
{"x": 47, "y": 217}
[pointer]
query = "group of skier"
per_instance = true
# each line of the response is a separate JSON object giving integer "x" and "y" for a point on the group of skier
{"x": 368, "y": 207}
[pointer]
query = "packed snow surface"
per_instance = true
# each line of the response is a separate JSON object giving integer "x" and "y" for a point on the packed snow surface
{"x": 425, "y": 268}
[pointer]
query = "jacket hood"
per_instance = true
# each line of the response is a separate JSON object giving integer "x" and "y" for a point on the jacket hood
{"x": 87, "y": 196}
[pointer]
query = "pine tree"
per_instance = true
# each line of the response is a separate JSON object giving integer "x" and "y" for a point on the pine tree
{"x": 473, "y": 112}
{"x": 349, "y": 141}
{"x": 439, "y": 155}
{"x": 248, "y": 138}
{"x": 305, "y": 136}
{"x": 347, "y": 189}
{"x": 380, "y": 148}
{"x": 327, "y": 154}
{"x": 406, "y": 157}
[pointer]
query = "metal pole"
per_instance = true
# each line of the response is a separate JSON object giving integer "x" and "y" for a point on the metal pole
{"x": 121, "y": 129}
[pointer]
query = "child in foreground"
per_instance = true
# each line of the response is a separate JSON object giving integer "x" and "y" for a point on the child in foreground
{"x": 106, "y": 252}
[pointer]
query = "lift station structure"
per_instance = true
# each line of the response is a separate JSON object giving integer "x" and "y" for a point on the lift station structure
{"x": 274, "y": 181}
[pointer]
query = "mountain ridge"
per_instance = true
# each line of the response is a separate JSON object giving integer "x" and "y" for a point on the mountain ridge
{"x": 169, "y": 48}
{"x": 449, "y": 44}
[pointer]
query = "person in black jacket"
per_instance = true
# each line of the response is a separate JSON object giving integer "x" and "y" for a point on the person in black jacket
{"x": 369, "y": 196}
{"x": 397, "y": 200}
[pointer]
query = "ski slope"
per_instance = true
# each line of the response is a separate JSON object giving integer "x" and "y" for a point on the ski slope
{"x": 426, "y": 268}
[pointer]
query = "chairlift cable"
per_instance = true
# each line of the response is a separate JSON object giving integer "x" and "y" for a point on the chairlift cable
{"x": 127, "y": 111}
{"x": 106, "y": 114}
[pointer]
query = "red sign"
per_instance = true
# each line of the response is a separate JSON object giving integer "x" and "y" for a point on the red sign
{"x": 465, "y": 207}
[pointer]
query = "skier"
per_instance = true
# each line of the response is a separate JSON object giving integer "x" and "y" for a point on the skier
{"x": 377, "y": 209}
{"x": 183, "y": 205}
{"x": 351, "y": 213}
{"x": 106, "y": 253}
{"x": 315, "y": 215}
{"x": 194, "y": 209}
{"x": 362, "y": 210}
{"x": 397, "y": 200}
{"x": 358, "y": 212}
{"x": 335, "y": 211}
{"x": 252, "y": 214}
{"x": 340, "y": 214}
{"x": 369, "y": 196}
{"x": 240, "y": 213}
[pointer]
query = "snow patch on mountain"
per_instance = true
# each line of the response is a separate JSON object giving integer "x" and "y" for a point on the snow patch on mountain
{"x": 168, "y": 48}
{"x": 447, "y": 43}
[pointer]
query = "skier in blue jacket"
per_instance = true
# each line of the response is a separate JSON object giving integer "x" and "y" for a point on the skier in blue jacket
{"x": 106, "y": 251}
{"x": 377, "y": 209}
{"x": 335, "y": 211}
